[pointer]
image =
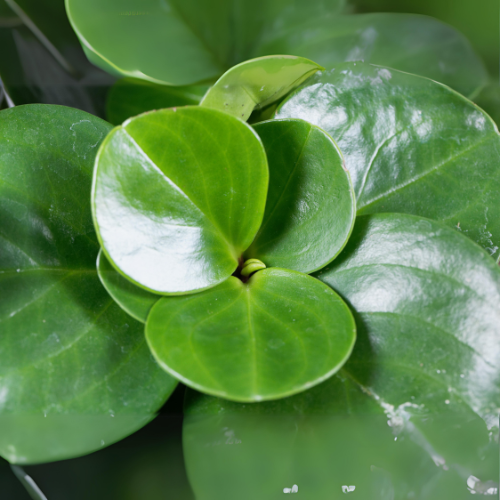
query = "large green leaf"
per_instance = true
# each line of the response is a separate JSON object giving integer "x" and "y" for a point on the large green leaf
{"x": 416, "y": 44}
{"x": 182, "y": 42}
{"x": 130, "y": 97}
{"x": 42, "y": 60}
{"x": 75, "y": 371}
{"x": 185, "y": 42}
{"x": 417, "y": 401}
{"x": 132, "y": 299}
{"x": 310, "y": 206}
{"x": 255, "y": 84}
{"x": 427, "y": 300}
{"x": 411, "y": 145}
{"x": 276, "y": 335}
{"x": 178, "y": 195}
{"x": 330, "y": 441}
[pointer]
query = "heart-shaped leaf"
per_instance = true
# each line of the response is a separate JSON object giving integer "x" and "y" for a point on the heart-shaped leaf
{"x": 415, "y": 44}
{"x": 178, "y": 195}
{"x": 276, "y": 335}
{"x": 257, "y": 83}
{"x": 182, "y": 42}
{"x": 410, "y": 144}
{"x": 132, "y": 299}
{"x": 130, "y": 97}
{"x": 310, "y": 206}
{"x": 75, "y": 371}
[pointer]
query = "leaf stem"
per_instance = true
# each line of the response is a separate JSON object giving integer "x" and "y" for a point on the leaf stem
{"x": 30, "y": 485}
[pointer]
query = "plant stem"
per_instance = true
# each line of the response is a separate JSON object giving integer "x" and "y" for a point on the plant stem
{"x": 30, "y": 485}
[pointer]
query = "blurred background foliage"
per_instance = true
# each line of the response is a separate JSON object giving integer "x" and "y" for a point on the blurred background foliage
{"x": 478, "y": 20}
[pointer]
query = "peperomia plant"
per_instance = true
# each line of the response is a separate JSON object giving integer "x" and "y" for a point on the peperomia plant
{"x": 242, "y": 237}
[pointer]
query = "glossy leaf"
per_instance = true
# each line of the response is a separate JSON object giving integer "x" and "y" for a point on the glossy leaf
{"x": 328, "y": 442}
{"x": 75, "y": 372}
{"x": 427, "y": 300}
{"x": 310, "y": 206}
{"x": 276, "y": 335}
{"x": 133, "y": 300}
{"x": 130, "y": 97}
{"x": 185, "y": 42}
{"x": 411, "y": 145}
{"x": 415, "y": 44}
{"x": 182, "y": 42}
{"x": 43, "y": 62}
{"x": 178, "y": 195}
{"x": 257, "y": 83}
{"x": 489, "y": 99}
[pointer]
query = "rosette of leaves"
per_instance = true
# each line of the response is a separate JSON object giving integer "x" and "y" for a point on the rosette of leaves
{"x": 233, "y": 245}
{"x": 227, "y": 222}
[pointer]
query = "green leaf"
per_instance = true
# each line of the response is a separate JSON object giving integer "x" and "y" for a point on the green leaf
{"x": 133, "y": 300}
{"x": 183, "y": 42}
{"x": 418, "y": 398}
{"x": 411, "y": 145}
{"x": 76, "y": 373}
{"x": 329, "y": 438}
{"x": 276, "y": 335}
{"x": 429, "y": 321}
{"x": 42, "y": 60}
{"x": 310, "y": 206}
{"x": 257, "y": 83}
{"x": 415, "y": 44}
{"x": 178, "y": 195}
{"x": 131, "y": 97}
{"x": 489, "y": 99}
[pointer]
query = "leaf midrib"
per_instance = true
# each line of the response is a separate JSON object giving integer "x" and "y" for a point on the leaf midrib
{"x": 171, "y": 183}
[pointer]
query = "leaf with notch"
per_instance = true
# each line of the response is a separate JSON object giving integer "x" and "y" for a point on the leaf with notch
{"x": 276, "y": 335}
{"x": 75, "y": 374}
{"x": 178, "y": 195}
{"x": 410, "y": 144}
{"x": 311, "y": 207}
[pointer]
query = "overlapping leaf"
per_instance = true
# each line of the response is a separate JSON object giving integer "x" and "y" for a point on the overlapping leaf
{"x": 75, "y": 372}
{"x": 310, "y": 206}
{"x": 415, "y": 44}
{"x": 411, "y": 145}
{"x": 181, "y": 43}
{"x": 178, "y": 195}
{"x": 276, "y": 335}
{"x": 257, "y": 83}
{"x": 132, "y": 299}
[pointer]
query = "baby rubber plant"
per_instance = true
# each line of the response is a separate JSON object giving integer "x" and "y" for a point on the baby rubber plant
{"x": 238, "y": 250}
{"x": 227, "y": 222}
